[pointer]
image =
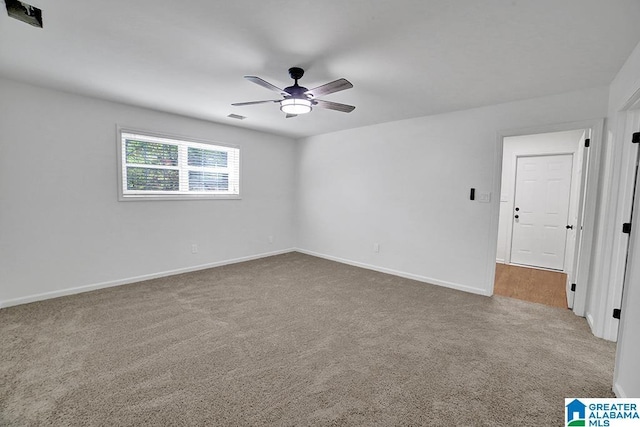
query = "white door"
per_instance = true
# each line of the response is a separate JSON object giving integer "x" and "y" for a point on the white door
{"x": 541, "y": 209}
{"x": 577, "y": 241}
{"x": 626, "y": 376}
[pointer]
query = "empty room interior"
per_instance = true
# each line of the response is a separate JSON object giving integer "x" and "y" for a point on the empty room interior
{"x": 317, "y": 213}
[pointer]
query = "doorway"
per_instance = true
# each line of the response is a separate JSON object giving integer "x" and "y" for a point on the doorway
{"x": 541, "y": 216}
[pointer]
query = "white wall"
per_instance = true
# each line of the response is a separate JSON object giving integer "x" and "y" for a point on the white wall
{"x": 567, "y": 142}
{"x": 62, "y": 226}
{"x": 615, "y": 205}
{"x": 405, "y": 185}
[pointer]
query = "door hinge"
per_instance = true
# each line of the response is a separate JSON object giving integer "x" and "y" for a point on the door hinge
{"x": 616, "y": 313}
{"x": 635, "y": 138}
{"x": 573, "y": 287}
{"x": 587, "y": 142}
{"x": 626, "y": 228}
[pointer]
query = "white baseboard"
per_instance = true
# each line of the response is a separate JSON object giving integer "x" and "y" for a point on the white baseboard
{"x": 93, "y": 287}
{"x": 619, "y": 392}
{"x": 501, "y": 261}
{"x": 126, "y": 281}
{"x": 589, "y": 318}
{"x": 411, "y": 276}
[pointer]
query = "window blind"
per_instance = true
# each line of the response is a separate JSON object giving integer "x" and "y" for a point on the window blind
{"x": 154, "y": 166}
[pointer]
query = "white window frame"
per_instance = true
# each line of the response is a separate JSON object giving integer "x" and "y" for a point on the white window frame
{"x": 183, "y": 167}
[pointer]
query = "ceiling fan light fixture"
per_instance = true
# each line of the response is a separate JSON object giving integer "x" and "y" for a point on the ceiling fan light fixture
{"x": 295, "y": 106}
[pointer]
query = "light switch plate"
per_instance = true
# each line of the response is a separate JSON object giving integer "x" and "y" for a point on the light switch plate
{"x": 484, "y": 197}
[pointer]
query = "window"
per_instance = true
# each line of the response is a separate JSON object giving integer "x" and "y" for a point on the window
{"x": 164, "y": 167}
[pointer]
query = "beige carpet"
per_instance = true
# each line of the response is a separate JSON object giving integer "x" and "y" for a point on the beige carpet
{"x": 294, "y": 340}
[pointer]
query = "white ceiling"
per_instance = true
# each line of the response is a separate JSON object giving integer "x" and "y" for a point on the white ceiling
{"x": 405, "y": 58}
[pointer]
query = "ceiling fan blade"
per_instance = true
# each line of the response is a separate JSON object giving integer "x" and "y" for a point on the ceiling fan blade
{"x": 334, "y": 106}
{"x": 325, "y": 89}
{"x": 288, "y": 116}
{"x": 239, "y": 104}
{"x": 265, "y": 84}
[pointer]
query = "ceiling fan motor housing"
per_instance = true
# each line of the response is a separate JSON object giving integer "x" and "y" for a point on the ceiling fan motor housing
{"x": 296, "y": 73}
{"x": 296, "y": 91}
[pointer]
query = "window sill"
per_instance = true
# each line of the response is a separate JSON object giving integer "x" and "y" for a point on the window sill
{"x": 154, "y": 197}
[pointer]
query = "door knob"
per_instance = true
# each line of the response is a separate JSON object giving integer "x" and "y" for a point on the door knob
{"x": 569, "y": 227}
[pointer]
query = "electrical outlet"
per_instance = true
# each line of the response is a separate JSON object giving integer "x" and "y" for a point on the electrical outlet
{"x": 271, "y": 240}
{"x": 376, "y": 247}
{"x": 194, "y": 248}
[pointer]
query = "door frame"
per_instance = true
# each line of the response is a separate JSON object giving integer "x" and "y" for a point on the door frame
{"x": 626, "y": 370}
{"x": 626, "y": 366}
{"x": 588, "y": 233}
{"x": 610, "y": 296}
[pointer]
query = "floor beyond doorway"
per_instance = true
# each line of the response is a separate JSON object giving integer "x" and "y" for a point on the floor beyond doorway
{"x": 531, "y": 284}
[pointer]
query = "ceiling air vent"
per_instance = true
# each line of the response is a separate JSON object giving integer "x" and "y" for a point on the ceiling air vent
{"x": 24, "y": 12}
{"x": 236, "y": 116}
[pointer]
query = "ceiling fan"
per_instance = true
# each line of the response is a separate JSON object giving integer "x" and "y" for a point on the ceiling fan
{"x": 300, "y": 100}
